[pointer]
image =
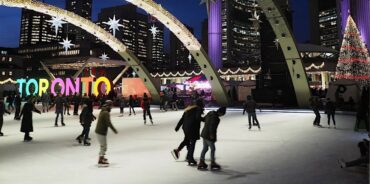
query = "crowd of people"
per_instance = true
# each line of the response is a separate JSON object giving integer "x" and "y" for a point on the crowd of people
{"x": 190, "y": 121}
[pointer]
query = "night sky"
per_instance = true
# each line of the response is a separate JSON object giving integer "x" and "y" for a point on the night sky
{"x": 187, "y": 11}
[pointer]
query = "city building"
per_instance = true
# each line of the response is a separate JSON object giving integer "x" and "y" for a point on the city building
{"x": 35, "y": 29}
{"x": 135, "y": 30}
{"x": 180, "y": 57}
{"x": 241, "y": 43}
{"x": 325, "y": 23}
{"x": 156, "y": 61}
{"x": 82, "y": 8}
{"x": 11, "y": 69}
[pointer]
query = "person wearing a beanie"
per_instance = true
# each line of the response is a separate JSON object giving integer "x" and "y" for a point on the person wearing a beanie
{"x": 101, "y": 131}
{"x": 209, "y": 135}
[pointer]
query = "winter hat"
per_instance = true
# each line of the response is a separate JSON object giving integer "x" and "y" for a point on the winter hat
{"x": 222, "y": 110}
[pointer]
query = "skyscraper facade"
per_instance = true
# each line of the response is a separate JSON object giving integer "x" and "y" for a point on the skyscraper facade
{"x": 82, "y": 8}
{"x": 180, "y": 58}
{"x": 36, "y": 30}
{"x": 156, "y": 60}
{"x": 241, "y": 43}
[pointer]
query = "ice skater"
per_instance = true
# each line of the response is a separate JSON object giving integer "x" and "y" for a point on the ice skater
{"x": 27, "y": 120}
{"x": 101, "y": 131}
{"x": 45, "y": 100}
{"x": 76, "y": 102}
{"x": 131, "y": 105}
{"x": 209, "y": 135}
{"x": 67, "y": 105}
{"x": 17, "y": 103}
{"x": 250, "y": 108}
{"x": 59, "y": 105}
{"x": 364, "y": 158}
{"x": 315, "y": 105}
{"x": 86, "y": 118}
{"x": 330, "y": 111}
{"x": 146, "y": 108}
{"x": 121, "y": 101}
{"x": 190, "y": 123}
{"x": 2, "y": 112}
{"x": 10, "y": 100}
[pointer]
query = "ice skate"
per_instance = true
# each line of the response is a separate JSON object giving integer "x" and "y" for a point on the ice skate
{"x": 86, "y": 143}
{"x": 192, "y": 162}
{"x": 56, "y": 125}
{"x": 1, "y": 134}
{"x": 176, "y": 154}
{"x": 144, "y": 122}
{"x": 215, "y": 166}
{"x": 202, "y": 165}
{"x": 63, "y": 124}
{"x": 103, "y": 162}
{"x": 151, "y": 121}
{"x": 28, "y": 139}
{"x": 79, "y": 139}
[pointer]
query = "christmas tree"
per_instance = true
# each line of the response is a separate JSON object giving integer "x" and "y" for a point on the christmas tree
{"x": 353, "y": 63}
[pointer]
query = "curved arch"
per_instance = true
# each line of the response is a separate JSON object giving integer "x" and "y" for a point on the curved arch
{"x": 288, "y": 45}
{"x": 190, "y": 42}
{"x": 95, "y": 30}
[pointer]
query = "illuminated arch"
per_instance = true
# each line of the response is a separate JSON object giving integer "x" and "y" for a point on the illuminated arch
{"x": 288, "y": 45}
{"x": 95, "y": 30}
{"x": 281, "y": 29}
{"x": 190, "y": 42}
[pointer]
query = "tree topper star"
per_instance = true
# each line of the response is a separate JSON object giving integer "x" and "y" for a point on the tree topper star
{"x": 154, "y": 31}
{"x": 104, "y": 57}
{"x": 56, "y": 22}
{"x": 208, "y": 3}
{"x": 66, "y": 44}
{"x": 113, "y": 24}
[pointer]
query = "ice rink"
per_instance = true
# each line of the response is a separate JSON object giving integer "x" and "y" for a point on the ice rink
{"x": 288, "y": 150}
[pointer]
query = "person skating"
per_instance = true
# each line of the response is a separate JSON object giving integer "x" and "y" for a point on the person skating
{"x": 59, "y": 105}
{"x": 76, "y": 102}
{"x": 45, "y": 100}
{"x": 190, "y": 123}
{"x": 250, "y": 108}
{"x": 174, "y": 101}
{"x": 101, "y": 131}
{"x": 10, "y": 100}
{"x": 131, "y": 105}
{"x": 209, "y": 135}
{"x": 27, "y": 121}
{"x": 17, "y": 103}
{"x": 330, "y": 111}
{"x": 2, "y": 112}
{"x": 121, "y": 102}
{"x": 86, "y": 118}
{"x": 364, "y": 158}
{"x": 67, "y": 105}
{"x": 315, "y": 105}
{"x": 146, "y": 108}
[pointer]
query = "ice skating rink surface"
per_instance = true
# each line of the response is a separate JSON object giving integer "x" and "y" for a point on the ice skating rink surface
{"x": 288, "y": 150}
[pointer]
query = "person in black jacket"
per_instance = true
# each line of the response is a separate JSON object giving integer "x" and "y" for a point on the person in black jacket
{"x": 17, "y": 103}
{"x": 59, "y": 102}
{"x": 330, "y": 111}
{"x": 2, "y": 112}
{"x": 27, "y": 121}
{"x": 209, "y": 135}
{"x": 146, "y": 108}
{"x": 86, "y": 118}
{"x": 250, "y": 107}
{"x": 190, "y": 122}
{"x": 76, "y": 102}
{"x": 131, "y": 105}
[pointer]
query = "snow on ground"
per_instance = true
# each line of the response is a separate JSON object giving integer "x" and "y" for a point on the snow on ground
{"x": 288, "y": 150}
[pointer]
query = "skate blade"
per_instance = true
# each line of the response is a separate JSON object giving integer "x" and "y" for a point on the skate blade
{"x": 202, "y": 169}
{"x": 215, "y": 169}
{"x": 103, "y": 165}
{"x": 174, "y": 155}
